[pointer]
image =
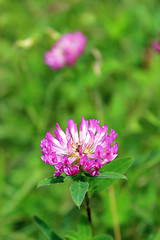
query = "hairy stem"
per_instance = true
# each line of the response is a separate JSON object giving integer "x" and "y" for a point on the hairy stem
{"x": 88, "y": 208}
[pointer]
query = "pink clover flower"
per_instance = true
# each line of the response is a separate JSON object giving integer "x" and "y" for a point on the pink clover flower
{"x": 88, "y": 151}
{"x": 66, "y": 50}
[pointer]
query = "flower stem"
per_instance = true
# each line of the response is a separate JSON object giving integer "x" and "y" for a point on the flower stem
{"x": 88, "y": 208}
{"x": 114, "y": 213}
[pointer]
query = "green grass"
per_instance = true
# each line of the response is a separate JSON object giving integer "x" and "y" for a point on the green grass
{"x": 33, "y": 98}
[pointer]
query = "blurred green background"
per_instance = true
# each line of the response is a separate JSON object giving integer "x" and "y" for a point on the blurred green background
{"x": 116, "y": 80}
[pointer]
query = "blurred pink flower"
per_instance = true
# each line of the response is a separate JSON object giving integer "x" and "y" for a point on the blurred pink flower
{"x": 88, "y": 151}
{"x": 156, "y": 46}
{"x": 66, "y": 50}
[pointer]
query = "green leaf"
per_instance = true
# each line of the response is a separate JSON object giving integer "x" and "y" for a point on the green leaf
{"x": 84, "y": 229}
{"x": 78, "y": 191}
{"x": 50, "y": 180}
{"x": 46, "y": 230}
{"x": 102, "y": 237}
{"x": 111, "y": 175}
{"x": 119, "y": 166}
{"x": 72, "y": 236}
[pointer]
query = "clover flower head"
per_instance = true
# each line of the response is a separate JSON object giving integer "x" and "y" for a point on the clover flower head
{"x": 66, "y": 50}
{"x": 73, "y": 153}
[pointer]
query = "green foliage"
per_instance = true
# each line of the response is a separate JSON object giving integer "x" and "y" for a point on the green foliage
{"x": 111, "y": 175}
{"x": 80, "y": 185}
{"x": 114, "y": 170}
{"x": 85, "y": 232}
{"x": 78, "y": 191}
{"x": 72, "y": 235}
{"x": 116, "y": 80}
{"x": 120, "y": 165}
{"x": 50, "y": 180}
{"x": 102, "y": 237}
{"x": 84, "y": 229}
{"x": 46, "y": 230}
